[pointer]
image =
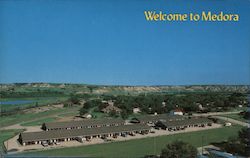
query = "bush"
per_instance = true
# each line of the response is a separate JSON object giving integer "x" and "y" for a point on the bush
{"x": 179, "y": 149}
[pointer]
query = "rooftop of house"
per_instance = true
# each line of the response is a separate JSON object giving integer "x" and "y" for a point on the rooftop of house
{"x": 83, "y": 123}
{"x": 185, "y": 122}
{"x": 178, "y": 110}
{"x": 55, "y": 134}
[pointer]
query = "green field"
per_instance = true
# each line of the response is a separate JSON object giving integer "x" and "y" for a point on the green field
{"x": 39, "y": 122}
{"x": 74, "y": 113}
{"x": 236, "y": 117}
{"x": 141, "y": 147}
{"x": 7, "y": 134}
{"x": 23, "y": 118}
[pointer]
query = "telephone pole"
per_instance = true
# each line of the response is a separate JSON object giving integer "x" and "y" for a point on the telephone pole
{"x": 202, "y": 144}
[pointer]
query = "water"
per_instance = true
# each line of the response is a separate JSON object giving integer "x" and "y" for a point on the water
{"x": 16, "y": 102}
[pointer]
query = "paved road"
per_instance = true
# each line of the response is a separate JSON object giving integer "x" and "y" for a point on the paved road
{"x": 216, "y": 113}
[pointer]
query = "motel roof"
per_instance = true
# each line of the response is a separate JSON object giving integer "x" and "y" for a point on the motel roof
{"x": 61, "y": 134}
{"x": 185, "y": 122}
{"x": 155, "y": 118}
{"x": 83, "y": 123}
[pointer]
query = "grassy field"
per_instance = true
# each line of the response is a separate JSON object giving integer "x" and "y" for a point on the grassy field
{"x": 141, "y": 147}
{"x": 23, "y": 118}
{"x": 7, "y": 134}
{"x": 39, "y": 122}
{"x": 74, "y": 113}
{"x": 236, "y": 117}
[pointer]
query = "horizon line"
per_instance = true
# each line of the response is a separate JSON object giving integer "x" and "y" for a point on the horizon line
{"x": 125, "y": 85}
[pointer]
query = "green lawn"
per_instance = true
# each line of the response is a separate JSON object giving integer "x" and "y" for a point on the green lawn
{"x": 23, "y": 118}
{"x": 39, "y": 122}
{"x": 7, "y": 134}
{"x": 141, "y": 147}
{"x": 236, "y": 117}
{"x": 74, "y": 113}
{"x": 238, "y": 109}
{"x": 99, "y": 114}
{"x": 135, "y": 115}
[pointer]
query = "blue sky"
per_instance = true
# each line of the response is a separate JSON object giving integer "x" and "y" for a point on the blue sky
{"x": 110, "y": 42}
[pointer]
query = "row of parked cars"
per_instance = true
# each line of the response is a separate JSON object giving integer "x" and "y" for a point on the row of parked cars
{"x": 104, "y": 137}
{"x": 46, "y": 143}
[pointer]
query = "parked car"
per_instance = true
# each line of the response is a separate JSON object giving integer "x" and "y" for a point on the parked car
{"x": 124, "y": 135}
{"x": 158, "y": 128}
{"x": 45, "y": 143}
{"x": 103, "y": 137}
{"x": 57, "y": 143}
{"x": 51, "y": 143}
{"x": 228, "y": 124}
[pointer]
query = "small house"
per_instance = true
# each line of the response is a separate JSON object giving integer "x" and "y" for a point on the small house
{"x": 87, "y": 115}
{"x": 136, "y": 110}
{"x": 177, "y": 112}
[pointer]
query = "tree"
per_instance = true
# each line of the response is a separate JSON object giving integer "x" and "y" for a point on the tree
{"x": 246, "y": 115}
{"x": 83, "y": 111}
{"x": 36, "y": 105}
{"x": 124, "y": 114}
{"x": 179, "y": 149}
{"x": 244, "y": 136}
{"x": 91, "y": 88}
{"x": 239, "y": 145}
{"x": 113, "y": 113}
{"x": 92, "y": 103}
{"x": 74, "y": 99}
{"x": 236, "y": 98}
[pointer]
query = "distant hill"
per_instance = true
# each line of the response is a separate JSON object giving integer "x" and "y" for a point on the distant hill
{"x": 116, "y": 90}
